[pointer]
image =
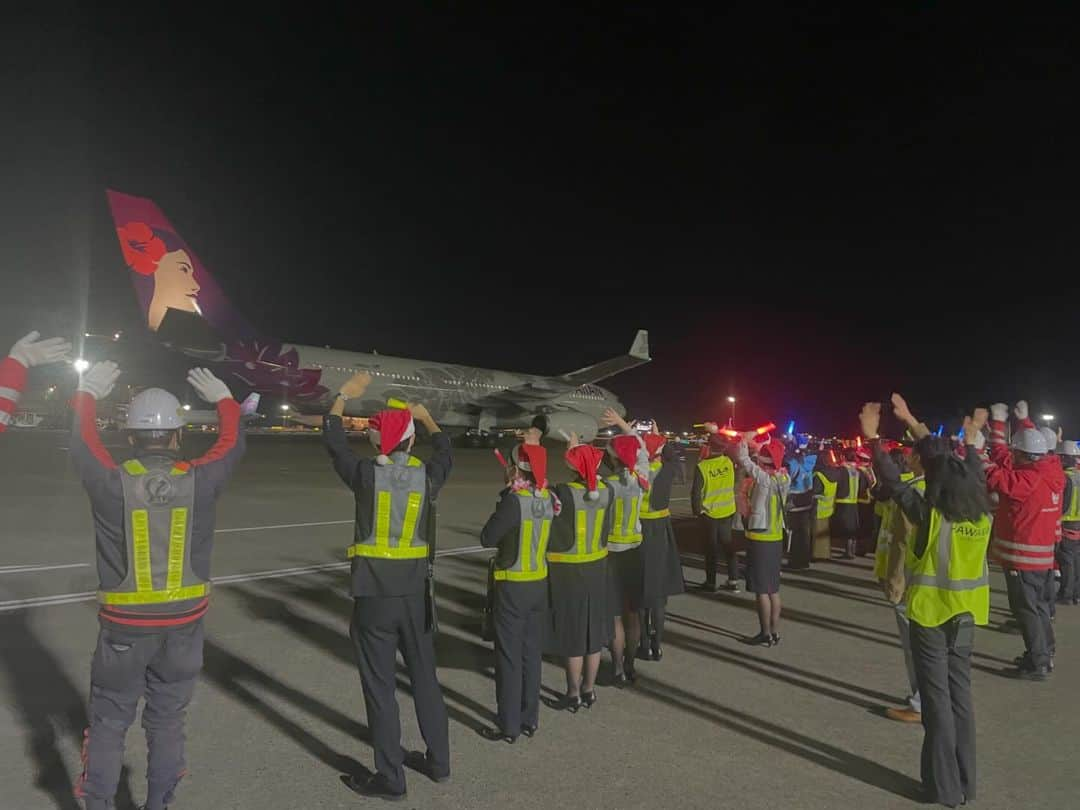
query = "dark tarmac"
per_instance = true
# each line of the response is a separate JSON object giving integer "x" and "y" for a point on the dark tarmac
{"x": 279, "y": 715}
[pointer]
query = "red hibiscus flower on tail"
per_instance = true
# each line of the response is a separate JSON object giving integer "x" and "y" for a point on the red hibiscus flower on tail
{"x": 142, "y": 250}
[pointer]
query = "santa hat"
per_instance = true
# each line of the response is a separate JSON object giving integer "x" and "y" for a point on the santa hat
{"x": 772, "y": 453}
{"x": 388, "y": 429}
{"x": 532, "y": 458}
{"x": 584, "y": 460}
{"x": 625, "y": 449}
{"x": 653, "y": 443}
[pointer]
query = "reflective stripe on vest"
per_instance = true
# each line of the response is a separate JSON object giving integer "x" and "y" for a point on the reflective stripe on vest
{"x": 625, "y": 524}
{"x": 775, "y": 530}
{"x": 952, "y": 576}
{"x": 589, "y": 543}
{"x": 826, "y": 502}
{"x": 1071, "y": 514}
{"x": 718, "y": 489}
{"x": 646, "y": 512}
{"x": 399, "y": 500}
{"x": 157, "y": 505}
{"x": 853, "y": 485}
{"x": 537, "y": 511}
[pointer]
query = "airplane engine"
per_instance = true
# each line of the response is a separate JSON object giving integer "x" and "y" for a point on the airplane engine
{"x": 568, "y": 422}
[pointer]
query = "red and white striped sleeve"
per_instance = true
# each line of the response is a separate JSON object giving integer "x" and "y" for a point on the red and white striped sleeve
{"x": 12, "y": 382}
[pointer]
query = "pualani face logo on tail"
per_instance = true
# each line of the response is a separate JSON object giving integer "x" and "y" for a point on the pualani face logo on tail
{"x": 167, "y": 275}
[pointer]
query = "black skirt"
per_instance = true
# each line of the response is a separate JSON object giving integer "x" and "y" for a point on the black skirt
{"x": 580, "y": 620}
{"x": 661, "y": 567}
{"x": 845, "y": 521}
{"x": 763, "y": 566}
{"x": 625, "y": 583}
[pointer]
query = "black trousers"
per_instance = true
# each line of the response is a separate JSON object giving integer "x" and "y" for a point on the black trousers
{"x": 1068, "y": 557}
{"x": 717, "y": 535}
{"x": 381, "y": 627}
{"x": 1029, "y": 598}
{"x": 942, "y": 657}
{"x": 520, "y": 610}
{"x": 800, "y": 522}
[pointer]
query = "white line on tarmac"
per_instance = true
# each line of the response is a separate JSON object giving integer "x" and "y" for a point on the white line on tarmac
{"x": 283, "y": 526}
{"x": 26, "y": 569}
{"x": 231, "y": 579}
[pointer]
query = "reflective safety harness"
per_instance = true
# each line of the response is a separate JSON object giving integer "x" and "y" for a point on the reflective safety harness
{"x": 853, "y": 484}
{"x": 952, "y": 576}
{"x": 589, "y": 542}
{"x": 774, "y": 531}
{"x": 648, "y": 513}
{"x": 1071, "y": 514}
{"x": 399, "y": 500}
{"x": 826, "y": 502}
{"x": 537, "y": 512}
{"x": 890, "y": 514}
{"x": 158, "y": 501}
{"x": 718, "y": 489}
{"x": 625, "y": 524}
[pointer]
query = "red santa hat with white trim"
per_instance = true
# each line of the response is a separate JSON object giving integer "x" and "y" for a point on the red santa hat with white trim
{"x": 531, "y": 458}
{"x": 388, "y": 429}
{"x": 625, "y": 448}
{"x": 584, "y": 459}
{"x": 654, "y": 443}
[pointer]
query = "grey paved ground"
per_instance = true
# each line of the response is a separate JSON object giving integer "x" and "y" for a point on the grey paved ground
{"x": 279, "y": 714}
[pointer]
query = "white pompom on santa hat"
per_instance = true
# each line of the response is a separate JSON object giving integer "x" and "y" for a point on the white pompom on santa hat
{"x": 388, "y": 429}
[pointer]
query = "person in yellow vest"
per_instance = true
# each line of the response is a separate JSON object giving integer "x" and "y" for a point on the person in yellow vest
{"x": 765, "y": 531}
{"x": 154, "y": 533}
{"x": 394, "y": 494}
{"x": 826, "y": 477}
{"x": 1069, "y": 549}
{"x": 520, "y": 529}
{"x": 661, "y": 565}
{"x": 581, "y": 624}
{"x": 712, "y": 498}
{"x": 868, "y": 514}
{"x": 630, "y": 462}
{"x": 845, "y": 522}
{"x": 948, "y": 595}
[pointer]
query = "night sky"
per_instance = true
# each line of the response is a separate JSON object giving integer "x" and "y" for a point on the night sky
{"x": 805, "y": 208}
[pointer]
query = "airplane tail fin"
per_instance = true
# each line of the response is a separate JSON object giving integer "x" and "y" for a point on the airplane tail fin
{"x": 179, "y": 299}
{"x": 637, "y": 356}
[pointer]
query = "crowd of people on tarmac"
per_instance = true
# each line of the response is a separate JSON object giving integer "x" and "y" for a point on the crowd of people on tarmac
{"x": 579, "y": 567}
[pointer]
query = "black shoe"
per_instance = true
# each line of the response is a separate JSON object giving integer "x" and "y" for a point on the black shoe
{"x": 588, "y": 699}
{"x": 761, "y": 640}
{"x": 644, "y": 654}
{"x": 624, "y": 680}
{"x": 1032, "y": 673}
{"x": 733, "y": 586}
{"x": 571, "y": 703}
{"x": 494, "y": 735}
{"x": 529, "y": 731}
{"x": 657, "y": 651}
{"x": 709, "y": 586}
{"x": 775, "y": 639}
{"x": 631, "y": 675}
{"x": 373, "y": 786}
{"x": 419, "y": 762}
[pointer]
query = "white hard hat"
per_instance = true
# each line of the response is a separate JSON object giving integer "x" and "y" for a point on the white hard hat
{"x": 1070, "y": 448}
{"x": 154, "y": 409}
{"x": 1030, "y": 441}
{"x": 1050, "y": 436}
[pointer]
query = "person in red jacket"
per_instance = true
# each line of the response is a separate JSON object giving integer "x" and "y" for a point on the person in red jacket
{"x": 25, "y": 354}
{"x": 1030, "y": 483}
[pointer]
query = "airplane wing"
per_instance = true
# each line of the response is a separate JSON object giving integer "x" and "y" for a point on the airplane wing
{"x": 637, "y": 356}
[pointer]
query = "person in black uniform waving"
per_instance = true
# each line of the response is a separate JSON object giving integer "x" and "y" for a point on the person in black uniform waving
{"x": 389, "y": 559}
{"x": 581, "y": 623}
{"x": 519, "y": 528}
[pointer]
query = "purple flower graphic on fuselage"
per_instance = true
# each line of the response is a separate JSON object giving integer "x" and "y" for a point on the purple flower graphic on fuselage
{"x": 268, "y": 370}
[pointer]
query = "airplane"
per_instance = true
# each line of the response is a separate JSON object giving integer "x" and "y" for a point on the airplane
{"x": 187, "y": 311}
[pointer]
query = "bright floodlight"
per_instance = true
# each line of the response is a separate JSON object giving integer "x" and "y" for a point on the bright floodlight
{"x": 187, "y": 407}
{"x": 731, "y": 399}
{"x": 284, "y": 407}
{"x": 1048, "y": 417}
{"x": 81, "y": 365}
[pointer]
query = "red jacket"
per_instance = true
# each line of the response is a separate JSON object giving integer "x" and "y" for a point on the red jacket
{"x": 1027, "y": 517}
{"x": 12, "y": 382}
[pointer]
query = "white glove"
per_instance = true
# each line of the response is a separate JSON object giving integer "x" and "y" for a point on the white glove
{"x": 999, "y": 412}
{"x": 1021, "y": 409}
{"x": 33, "y": 352}
{"x": 208, "y": 386}
{"x": 99, "y": 380}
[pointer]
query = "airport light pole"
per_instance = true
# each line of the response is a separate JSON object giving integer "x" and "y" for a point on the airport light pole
{"x": 284, "y": 415}
{"x": 732, "y": 401}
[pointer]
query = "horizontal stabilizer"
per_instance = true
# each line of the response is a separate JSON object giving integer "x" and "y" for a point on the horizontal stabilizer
{"x": 637, "y": 356}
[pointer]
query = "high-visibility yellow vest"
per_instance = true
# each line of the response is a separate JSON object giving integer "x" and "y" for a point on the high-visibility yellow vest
{"x": 952, "y": 576}
{"x": 774, "y": 531}
{"x": 1071, "y": 513}
{"x": 890, "y": 520}
{"x": 853, "y": 484}
{"x": 865, "y": 497}
{"x": 400, "y": 486}
{"x": 718, "y": 488}
{"x": 158, "y": 501}
{"x": 537, "y": 511}
{"x": 625, "y": 522}
{"x": 648, "y": 513}
{"x": 826, "y": 502}
{"x": 589, "y": 541}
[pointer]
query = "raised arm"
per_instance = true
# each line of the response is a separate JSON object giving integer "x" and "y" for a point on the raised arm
{"x": 218, "y": 462}
{"x": 442, "y": 459}
{"x": 25, "y": 354}
{"x": 345, "y": 460}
